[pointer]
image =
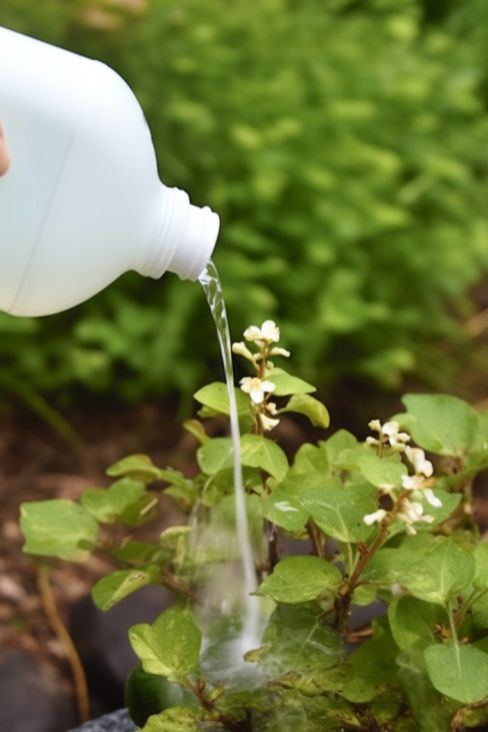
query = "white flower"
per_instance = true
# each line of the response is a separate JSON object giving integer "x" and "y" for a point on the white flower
{"x": 375, "y": 425}
{"x": 412, "y": 482}
{"x": 242, "y": 350}
{"x": 390, "y": 429}
{"x": 268, "y": 423}
{"x": 256, "y": 388}
{"x": 271, "y": 408}
{"x": 416, "y": 457}
{"x": 372, "y": 441}
{"x": 411, "y": 513}
{"x": 376, "y": 517}
{"x": 395, "y": 438}
{"x": 278, "y": 351}
{"x": 268, "y": 333}
{"x": 431, "y": 498}
{"x": 252, "y": 333}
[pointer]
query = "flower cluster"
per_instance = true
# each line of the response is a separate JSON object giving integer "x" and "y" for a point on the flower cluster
{"x": 407, "y": 506}
{"x": 259, "y": 387}
{"x": 388, "y": 434}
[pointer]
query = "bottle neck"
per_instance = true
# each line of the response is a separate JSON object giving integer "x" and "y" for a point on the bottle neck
{"x": 184, "y": 239}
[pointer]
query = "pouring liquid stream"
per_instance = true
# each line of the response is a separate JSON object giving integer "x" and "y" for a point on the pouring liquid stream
{"x": 210, "y": 281}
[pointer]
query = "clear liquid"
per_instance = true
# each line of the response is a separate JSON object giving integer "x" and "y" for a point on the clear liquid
{"x": 210, "y": 281}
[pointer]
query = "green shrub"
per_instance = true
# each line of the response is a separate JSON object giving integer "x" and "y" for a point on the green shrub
{"x": 387, "y": 534}
{"x": 344, "y": 145}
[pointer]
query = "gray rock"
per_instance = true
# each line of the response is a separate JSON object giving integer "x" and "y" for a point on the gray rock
{"x": 32, "y": 697}
{"x": 102, "y": 642}
{"x": 118, "y": 721}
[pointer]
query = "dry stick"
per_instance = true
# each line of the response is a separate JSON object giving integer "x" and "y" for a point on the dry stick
{"x": 58, "y": 627}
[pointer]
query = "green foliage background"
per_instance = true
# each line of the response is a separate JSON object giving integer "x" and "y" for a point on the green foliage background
{"x": 345, "y": 145}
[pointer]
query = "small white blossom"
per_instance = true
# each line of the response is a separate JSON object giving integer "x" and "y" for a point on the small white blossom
{"x": 416, "y": 457}
{"x": 268, "y": 333}
{"x": 268, "y": 423}
{"x": 390, "y": 428}
{"x": 372, "y": 441}
{"x": 278, "y": 351}
{"x": 256, "y": 388}
{"x": 271, "y": 408}
{"x": 390, "y": 431}
{"x": 412, "y": 482}
{"x": 376, "y": 517}
{"x": 252, "y": 333}
{"x": 411, "y": 513}
{"x": 242, "y": 350}
{"x": 431, "y": 498}
{"x": 375, "y": 425}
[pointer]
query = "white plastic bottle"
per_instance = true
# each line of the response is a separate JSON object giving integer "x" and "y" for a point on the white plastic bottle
{"x": 82, "y": 202}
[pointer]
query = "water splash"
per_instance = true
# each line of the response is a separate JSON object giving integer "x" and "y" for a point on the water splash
{"x": 249, "y": 637}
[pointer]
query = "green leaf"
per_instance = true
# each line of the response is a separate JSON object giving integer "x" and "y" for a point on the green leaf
{"x": 181, "y": 489}
{"x": 170, "y": 646}
{"x": 286, "y": 384}
{"x": 295, "y": 711}
{"x": 458, "y": 671}
{"x": 381, "y": 471}
{"x": 108, "y": 505}
{"x": 148, "y": 694}
{"x": 372, "y": 664}
{"x": 58, "y": 528}
{"x": 196, "y": 428}
{"x": 259, "y": 452}
{"x": 310, "y": 459}
{"x": 135, "y": 552}
{"x": 215, "y": 397}
{"x": 481, "y": 564}
{"x": 390, "y": 564}
{"x": 440, "y": 423}
{"x": 111, "y": 589}
{"x": 413, "y": 621}
{"x": 285, "y": 510}
{"x": 340, "y": 511}
{"x": 339, "y": 442}
{"x": 138, "y": 467}
{"x": 310, "y": 407}
{"x": 215, "y": 455}
{"x": 297, "y": 639}
{"x": 176, "y": 719}
{"x": 300, "y": 579}
{"x": 427, "y": 706}
{"x": 445, "y": 569}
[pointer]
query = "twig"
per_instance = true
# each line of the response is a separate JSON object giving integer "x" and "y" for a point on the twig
{"x": 60, "y": 630}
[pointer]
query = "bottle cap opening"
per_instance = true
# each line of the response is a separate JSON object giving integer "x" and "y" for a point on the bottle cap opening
{"x": 185, "y": 239}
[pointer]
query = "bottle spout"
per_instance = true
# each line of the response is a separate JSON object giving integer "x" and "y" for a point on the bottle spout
{"x": 184, "y": 240}
{"x": 196, "y": 244}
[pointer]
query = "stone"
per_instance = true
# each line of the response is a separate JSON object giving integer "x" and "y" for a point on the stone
{"x": 102, "y": 642}
{"x": 118, "y": 721}
{"x": 32, "y": 696}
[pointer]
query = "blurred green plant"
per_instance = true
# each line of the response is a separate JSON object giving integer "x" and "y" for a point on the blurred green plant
{"x": 344, "y": 145}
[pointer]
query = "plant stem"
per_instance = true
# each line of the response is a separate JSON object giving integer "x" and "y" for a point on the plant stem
{"x": 60, "y": 630}
{"x": 198, "y": 690}
{"x": 316, "y": 538}
{"x": 177, "y": 586}
{"x": 349, "y": 587}
{"x": 452, "y": 624}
